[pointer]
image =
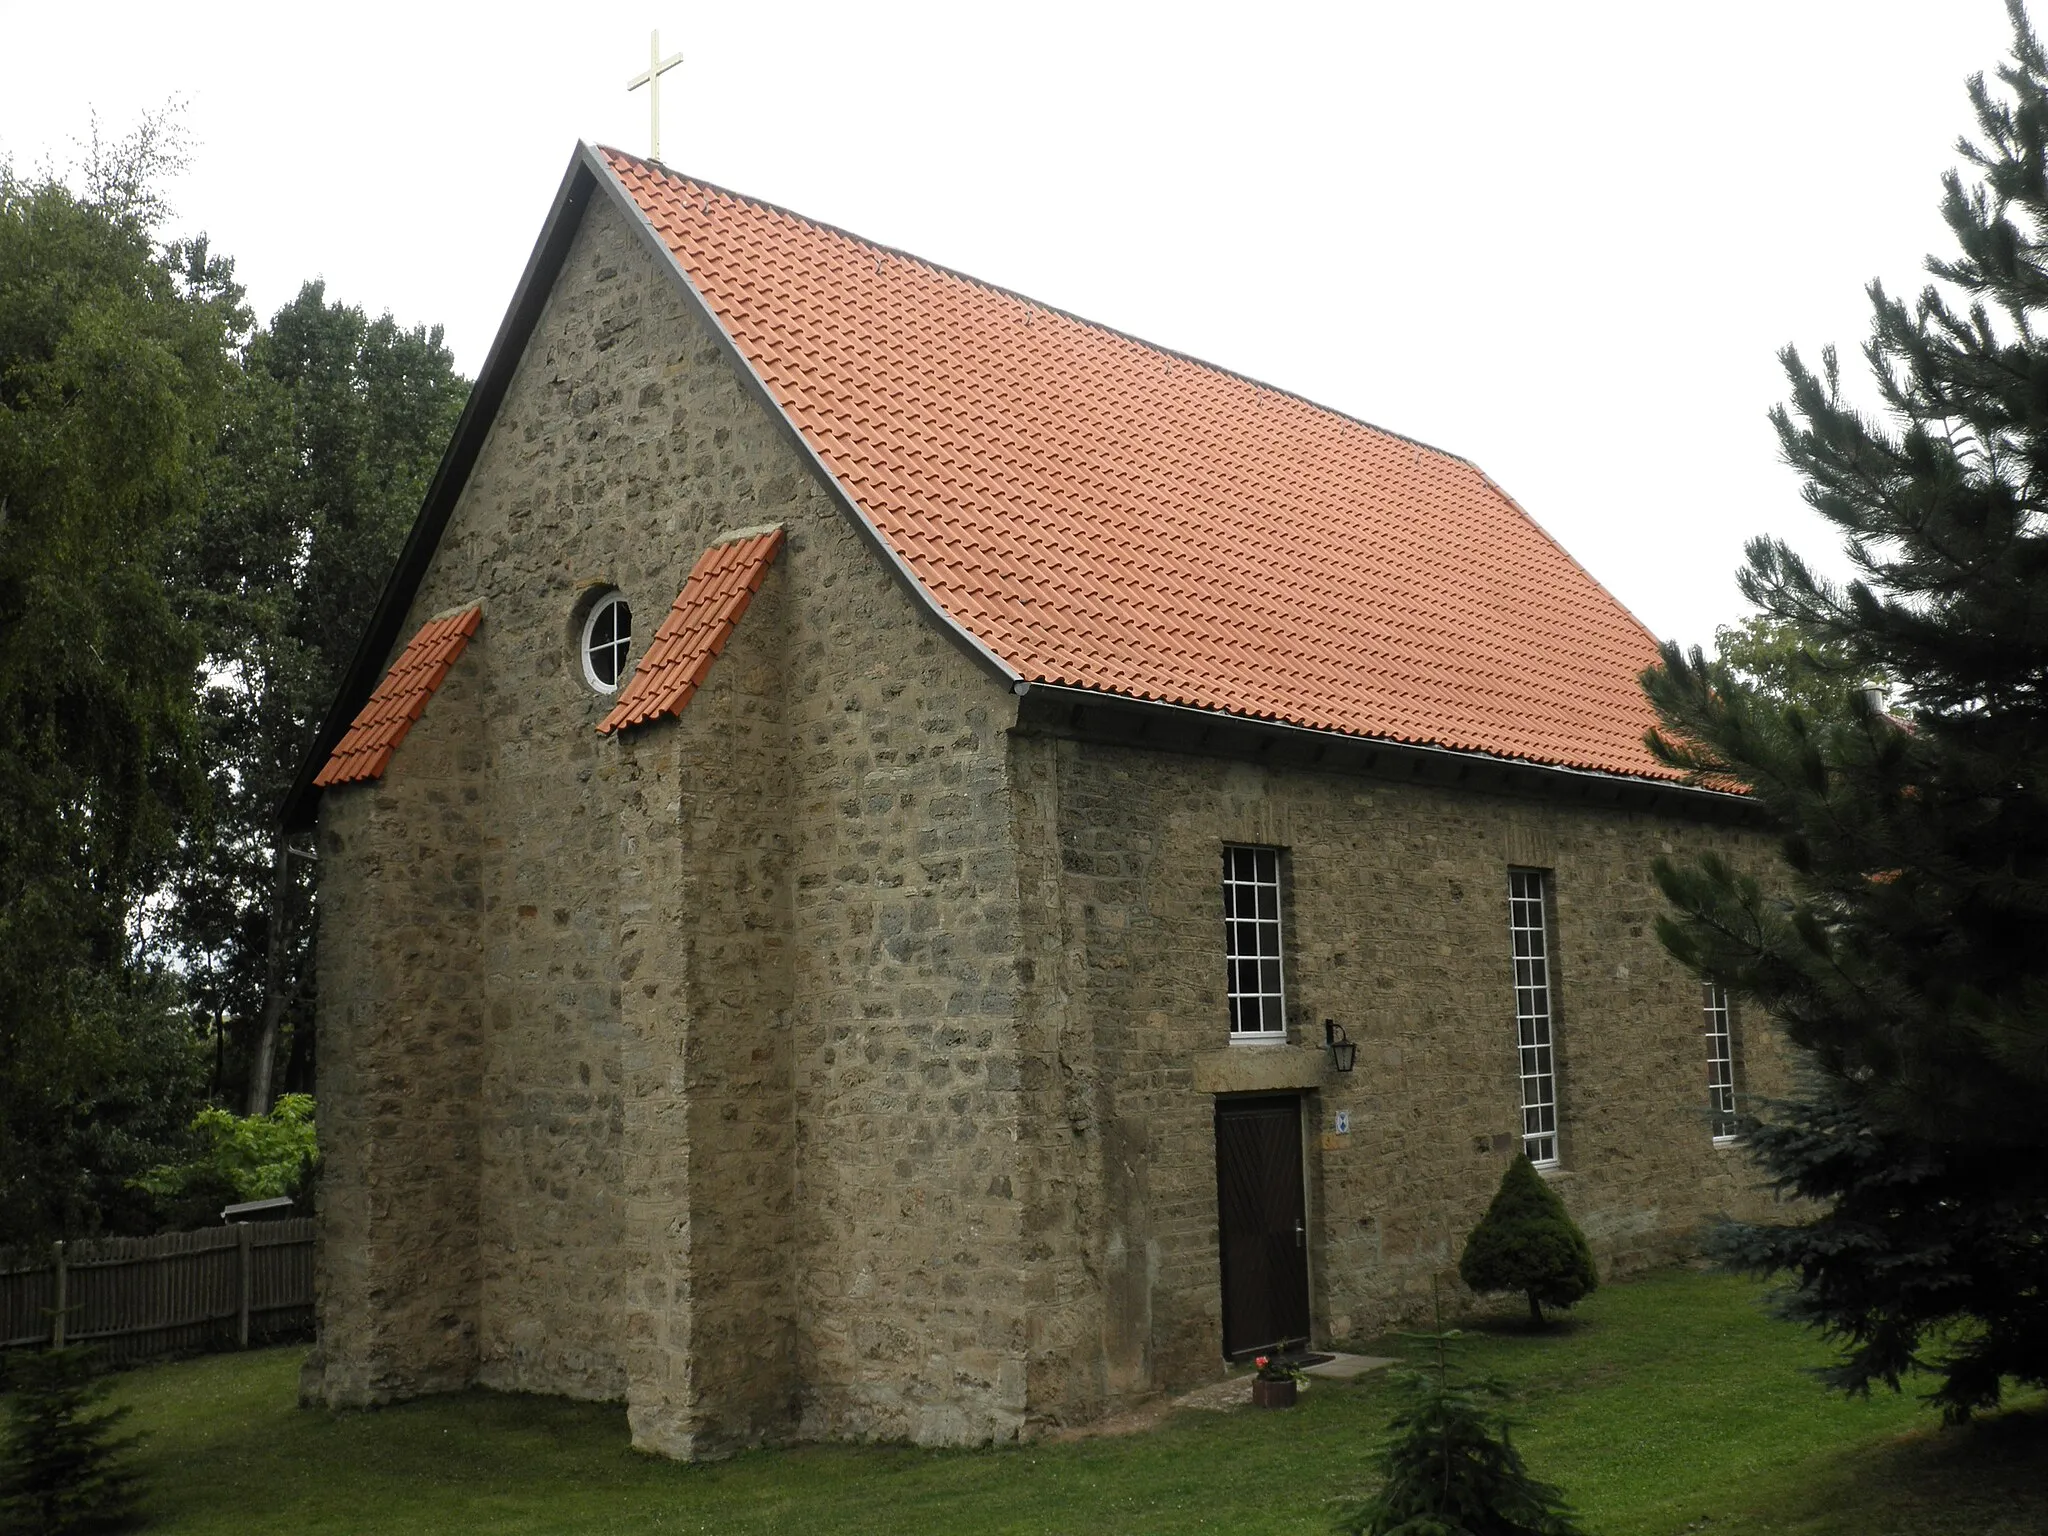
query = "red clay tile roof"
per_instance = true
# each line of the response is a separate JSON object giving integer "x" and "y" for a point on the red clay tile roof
{"x": 721, "y": 585}
{"x": 400, "y": 699}
{"x": 1102, "y": 513}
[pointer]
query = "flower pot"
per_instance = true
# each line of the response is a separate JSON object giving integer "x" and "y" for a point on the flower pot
{"x": 1272, "y": 1394}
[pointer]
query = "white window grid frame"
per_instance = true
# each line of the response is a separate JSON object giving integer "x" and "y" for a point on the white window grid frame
{"x": 610, "y": 602}
{"x": 1721, "y": 1086}
{"x": 1535, "y": 1016}
{"x": 1254, "y": 943}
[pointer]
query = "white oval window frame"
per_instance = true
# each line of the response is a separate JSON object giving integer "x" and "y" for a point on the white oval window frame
{"x": 604, "y": 602}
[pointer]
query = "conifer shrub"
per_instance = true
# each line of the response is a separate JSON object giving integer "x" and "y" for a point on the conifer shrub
{"x": 1528, "y": 1242}
{"x": 62, "y": 1467}
{"x": 1451, "y": 1468}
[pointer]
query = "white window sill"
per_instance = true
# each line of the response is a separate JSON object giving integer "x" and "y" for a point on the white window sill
{"x": 1248, "y": 1039}
{"x": 1727, "y": 1141}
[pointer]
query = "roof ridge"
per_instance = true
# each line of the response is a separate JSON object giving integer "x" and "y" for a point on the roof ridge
{"x": 1039, "y": 304}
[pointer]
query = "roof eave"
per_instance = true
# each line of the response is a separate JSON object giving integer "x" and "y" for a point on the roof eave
{"x": 1092, "y": 713}
{"x": 536, "y": 283}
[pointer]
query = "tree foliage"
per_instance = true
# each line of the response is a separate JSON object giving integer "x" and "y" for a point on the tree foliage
{"x": 196, "y": 517}
{"x": 1910, "y": 1240}
{"x": 245, "y": 1157}
{"x": 1777, "y": 661}
{"x": 1451, "y": 1468}
{"x": 1528, "y": 1242}
{"x": 62, "y": 1467}
{"x": 1899, "y": 945}
{"x": 115, "y": 367}
{"x": 337, "y": 423}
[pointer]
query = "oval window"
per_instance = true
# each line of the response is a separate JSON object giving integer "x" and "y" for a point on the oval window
{"x": 607, "y": 636}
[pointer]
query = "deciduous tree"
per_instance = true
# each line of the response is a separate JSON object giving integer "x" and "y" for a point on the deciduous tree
{"x": 115, "y": 367}
{"x": 336, "y": 425}
{"x": 196, "y": 517}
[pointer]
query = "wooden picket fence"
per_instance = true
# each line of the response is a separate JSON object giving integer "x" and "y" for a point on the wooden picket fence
{"x": 181, "y": 1293}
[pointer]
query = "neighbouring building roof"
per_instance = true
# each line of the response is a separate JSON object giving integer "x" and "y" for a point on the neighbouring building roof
{"x": 721, "y": 585}
{"x": 381, "y": 724}
{"x": 1104, "y": 514}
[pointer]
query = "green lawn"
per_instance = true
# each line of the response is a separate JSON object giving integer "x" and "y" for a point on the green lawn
{"x": 1668, "y": 1405}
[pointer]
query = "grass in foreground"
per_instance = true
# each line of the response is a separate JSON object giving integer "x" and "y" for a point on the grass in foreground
{"x": 1667, "y": 1405}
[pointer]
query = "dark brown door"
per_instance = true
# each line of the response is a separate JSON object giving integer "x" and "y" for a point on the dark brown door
{"x": 1264, "y": 1224}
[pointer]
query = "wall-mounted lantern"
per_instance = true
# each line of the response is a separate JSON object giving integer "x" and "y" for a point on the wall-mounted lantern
{"x": 1342, "y": 1051}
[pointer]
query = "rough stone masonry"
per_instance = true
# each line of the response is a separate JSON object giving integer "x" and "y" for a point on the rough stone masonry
{"x": 838, "y": 1058}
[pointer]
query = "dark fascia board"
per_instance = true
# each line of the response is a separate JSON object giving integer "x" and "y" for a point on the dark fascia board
{"x": 1087, "y": 714}
{"x": 473, "y": 426}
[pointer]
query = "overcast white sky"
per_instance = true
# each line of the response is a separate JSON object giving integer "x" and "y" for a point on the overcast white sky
{"x": 1564, "y": 240}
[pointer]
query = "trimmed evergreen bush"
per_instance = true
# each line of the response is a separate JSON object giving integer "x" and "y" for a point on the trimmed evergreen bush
{"x": 1451, "y": 1469}
{"x": 62, "y": 1469}
{"x": 1528, "y": 1242}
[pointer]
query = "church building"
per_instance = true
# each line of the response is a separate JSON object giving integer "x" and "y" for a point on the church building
{"x": 896, "y": 863}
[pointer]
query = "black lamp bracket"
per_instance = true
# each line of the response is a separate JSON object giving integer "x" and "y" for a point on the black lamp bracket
{"x": 1343, "y": 1053}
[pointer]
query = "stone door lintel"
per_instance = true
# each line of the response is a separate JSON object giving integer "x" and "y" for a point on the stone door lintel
{"x": 1260, "y": 1069}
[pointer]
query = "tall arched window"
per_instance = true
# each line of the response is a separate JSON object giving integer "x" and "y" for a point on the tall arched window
{"x": 1721, "y": 1065}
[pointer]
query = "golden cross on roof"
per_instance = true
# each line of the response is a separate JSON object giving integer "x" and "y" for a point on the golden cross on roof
{"x": 657, "y": 66}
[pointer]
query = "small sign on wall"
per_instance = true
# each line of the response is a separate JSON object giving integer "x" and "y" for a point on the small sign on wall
{"x": 1343, "y": 1122}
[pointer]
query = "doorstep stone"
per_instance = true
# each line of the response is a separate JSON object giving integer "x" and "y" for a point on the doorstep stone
{"x": 1347, "y": 1367}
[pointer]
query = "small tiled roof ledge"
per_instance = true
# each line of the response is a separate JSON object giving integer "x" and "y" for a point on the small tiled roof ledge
{"x": 720, "y": 588}
{"x": 362, "y": 755}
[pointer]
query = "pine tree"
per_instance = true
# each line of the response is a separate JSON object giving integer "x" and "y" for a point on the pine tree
{"x": 1451, "y": 1468}
{"x": 1528, "y": 1242}
{"x": 61, "y": 1467}
{"x": 1900, "y": 943}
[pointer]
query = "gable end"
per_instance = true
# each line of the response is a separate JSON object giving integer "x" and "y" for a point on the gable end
{"x": 588, "y": 171}
{"x": 474, "y": 425}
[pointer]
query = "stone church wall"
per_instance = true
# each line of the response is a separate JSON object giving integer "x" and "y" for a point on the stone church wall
{"x": 1397, "y": 927}
{"x": 743, "y": 1083}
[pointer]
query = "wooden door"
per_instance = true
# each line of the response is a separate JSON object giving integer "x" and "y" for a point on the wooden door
{"x": 1263, "y": 1217}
